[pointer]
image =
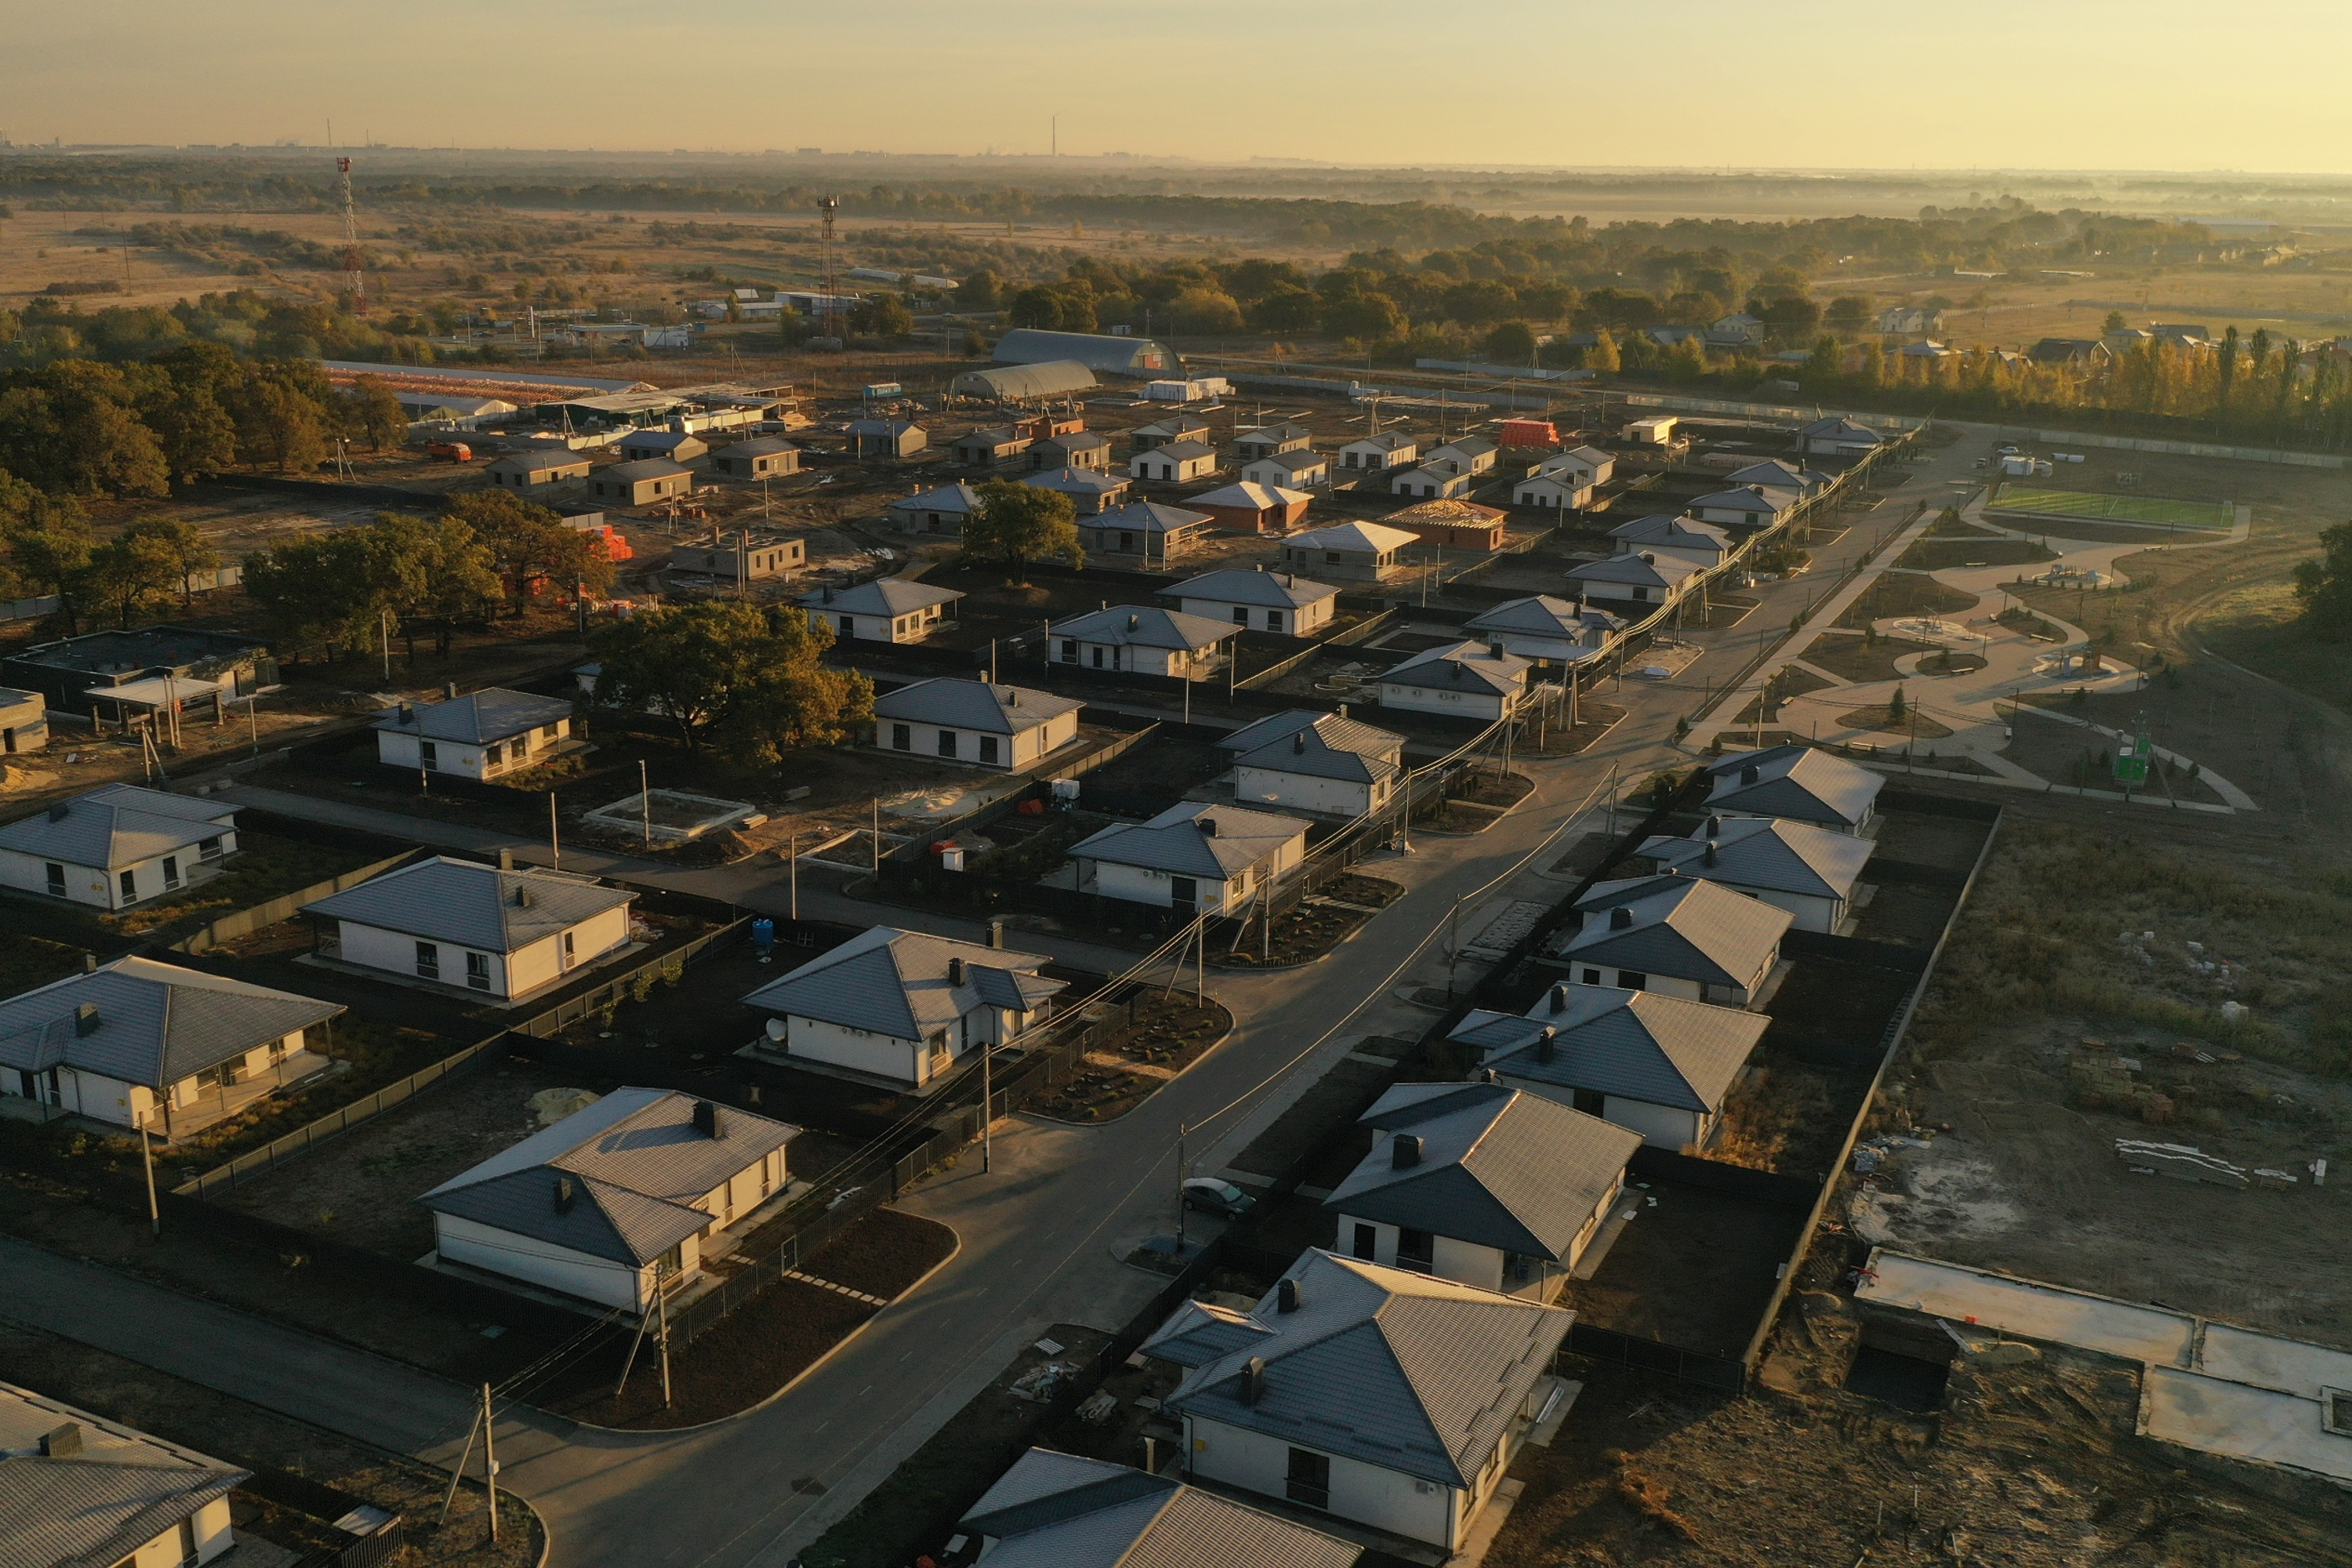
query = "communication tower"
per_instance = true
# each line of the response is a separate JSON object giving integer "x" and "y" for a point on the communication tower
{"x": 354, "y": 264}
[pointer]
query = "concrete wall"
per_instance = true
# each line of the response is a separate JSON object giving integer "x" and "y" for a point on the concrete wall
{"x": 1420, "y": 1510}
{"x": 24, "y": 727}
{"x": 536, "y": 1262}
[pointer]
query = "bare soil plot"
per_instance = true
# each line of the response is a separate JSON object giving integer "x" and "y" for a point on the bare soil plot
{"x": 2070, "y": 754}
{"x": 1900, "y": 592}
{"x": 1150, "y": 1039}
{"x": 1719, "y": 1249}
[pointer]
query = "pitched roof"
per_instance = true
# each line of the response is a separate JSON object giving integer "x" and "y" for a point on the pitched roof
{"x": 1649, "y": 568}
{"x": 1002, "y": 435}
{"x": 1175, "y": 842}
{"x": 154, "y": 1023}
{"x": 644, "y": 468}
{"x": 1147, "y": 516}
{"x": 636, "y": 1164}
{"x": 1356, "y": 536}
{"x": 1081, "y": 481}
{"x": 1057, "y": 1510}
{"x": 896, "y": 983}
{"x": 1182, "y": 451}
{"x": 964, "y": 704}
{"x": 1264, "y": 434}
{"x": 1449, "y": 512}
{"x": 1494, "y": 1167}
{"x": 1298, "y": 459}
{"x": 538, "y": 460}
{"x": 1774, "y": 473}
{"x": 1681, "y": 926}
{"x": 1333, "y": 729}
{"x": 1470, "y": 446}
{"x": 1768, "y": 853}
{"x": 1173, "y": 426}
{"x": 947, "y": 497}
{"x": 1838, "y": 428}
{"x": 1638, "y": 1045}
{"x": 1464, "y": 667}
{"x": 97, "y": 1506}
{"x": 1795, "y": 782}
{"x": 881, "y": 596}
{"x": 1386, "y": 441}
{"x": 116, "y": 826}
{"x": 663, "y": 440}
{"x": 1673, "y": 533}
{"x": 1746, "y": 498}
{"x": 765, "y": 447}
{"x": 1076, "y": 440}
{"x": 1144, "y": 626}
{"x": 1250, "y": 495}
{"x": 880, "y": 427}
{"x": 1330, "y": 748}
{"x": 473, "y": 905}
{"x": 1232, "y": 586}
{"x": 478, "y": 717}
{"x": 1539, "y": 614}
{"x": 1405, "y": 1372}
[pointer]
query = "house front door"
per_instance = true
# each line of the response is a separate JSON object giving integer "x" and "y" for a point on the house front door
{"x": 1183, "y": 894}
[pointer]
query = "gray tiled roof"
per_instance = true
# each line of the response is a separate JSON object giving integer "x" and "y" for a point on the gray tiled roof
{"x": 1538, "y": 615}
{"x": 1498, "y": 1168}
{"x": 637, "y": 1165}
{"x": 1365, "y": 538}
{"x": 644, "y": 468}
{"x": 1173, "y": 842}
{"x": 1464, "y": 667}
{"x": 1175, "y": 426}
{"x": 882, "y": 597}
{"x": 1795, "y": 782}
{"x": 1235, "y": 586}
{"x": 1775, "y": 473}
{"x": 1297, "y": 460}
{"x": 94, "y": 1508}
{"x": 1338, "y": 730}
{"x": 879, "y": 426}
{"x": 1386, "y": 441}
{"x": 958, "y": 497}
{"x": 1082, "y": 481}
{"x": 1274, "y": 434}
{"x": 1671, "y": 533}
{"x": 895, "y": 983}
{"x": 1057, "y": 1510}
{"x": 1199, "y": 1332}
{"x": 1330, "y": 748}
{"x": 1147, "y": 516}
{"x": 1183, "y": 451}
{"x": 1077, "y": 441}
{"x": 765, "y": 447}
{"x": 118, "y": 825}
{"x": 1146, "y": 625}
{"x": 1746, "y": 498}
{"x": 478, "y": 717}
{"x": 472, "y": 905}
{"x": 1681, "y": 927}
{"x": 974, "y": 705}
{"x": 1638, "y": 1045}
{"x": 1644, "y": 567}
{"x": 660, "y": 440}
{"x": 156, "y": 1023}
{"x": 1769, "y": 854}
{"x": 1253, "y": 496}
{"x": 1406, "y": 1372}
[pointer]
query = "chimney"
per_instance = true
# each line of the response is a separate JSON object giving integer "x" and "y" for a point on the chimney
{"x": 1343, "y": 710}
{"x": 1544, "y": 1044}
{"x": 1713, "y": 828}
{"x": 1495, "y": 649}
{"x": 505, "y": 859}
{"x": 86, "y": 1019}
{"x": 955, "y": 971}
{"x": 996, "y": 932}
{"x": 1253, "y": 1380}
{"x": 523, "y": 895}
{"x": 563, "y": 1194}
{"x": 1297, "y": 741}
{"x": 450, "y": 690}
{"x": 408, "y": 713}
{"x": 88, "y": 962}
{"x": 1559, "y": 998}
{"x": 1490, "y": 1076}
{"x": 61, "y": 811}
{"x": 61, "y": 1442}
{"x": 1750, "y": 773}
{"x": 1708, "y": 859}
{"x": 1404, "y": 1150}
{"x": 828, "y": 592}
{"x": 1208, "y": 825}
{"x": 1133, "y": 621}
{"x": 1620, "y": 918}
{"x": 1285, "y": 1296}
{"x": 707, "y": 1120}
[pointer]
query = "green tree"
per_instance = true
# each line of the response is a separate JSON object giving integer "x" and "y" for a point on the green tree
{"x": 1290, "y": 309}
{"x": 2225, "y": 369}
{"x": 528, "y": 544}
{"x": 2115, "y": 322}
{"x": 981, "y": 290}
{"x": 428, "y": 569}
{"x": 315, "y": 593}
{"x": 790, "y": 698}
{"x": 882, "y": 315}
{"x": 1897, "y": 711}
{"x": 1365, "y": 316}
{"x": 682, "y": 662}
{"x": 375, "y": 414}
{"x": 2324, "y": 586}
{"x": 279, "y": 425}
{"x": 127, "y": 574}
{"x": 1204, "y": 312}
{"x": 1603, "y": 355}
{"x": 48, "y": 543}
{"x": 68, "y": 428}
{"x": 1020, "y": 523}
{"x": 1512, "y": 343}
{"x": 186, "y": 547}
{"x": 1687, "y": 361}
{"x": 1848, "y": 313}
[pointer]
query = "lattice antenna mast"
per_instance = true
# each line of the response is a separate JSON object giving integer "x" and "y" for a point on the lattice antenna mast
{"x": 354, "y": 264}
{"x": 828, "y": 264}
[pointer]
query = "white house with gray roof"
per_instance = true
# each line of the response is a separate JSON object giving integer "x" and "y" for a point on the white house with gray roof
{"x": 1058, "y": 1510}
{"x": 1657, "y": 1065}
{"x": 1389, "y": 1399}
{"x": 1270, "y": 601}
{"x": 1703, "y": 542}
{"x": 888, "y": 609}
{"x": 960, "y": 721}
{"x": 1174, "y": 462}
{"x": 1809, "y": 871}
{"x": 139, "y": 1043}
{"x": 1324, "y": 762}
{"x": 1144, "y": 640}
{"x": 1151, "y": 530}
{"x": 1696, "y": 940}
{"x": 1480, "y": 681}
{"x": 80, "y": 1492}
{"x": 1350, "y": 551}
{"x": 1793, "y": 781}
{"x": 1637, "y": 582}
{"x": 1389, "y": 449}
{"x": 1546, "y": 630}
{"x": 1299, "y": 468}
{"x": 507, "y": 934}
{"x": 902, "y": 1007}
{"x": 1744, "y": 506}
{"x": 117, "y": 846}
{"x": 1777, "y": 473}
{"x": 1480, "y": 1183}
{"x": 1249, "y": 445}
{"x": 1089, "y": 493}
{"x": 942, "y": 511}
{"x": 618, "y": 1204}
{"x": 1192, "y": 858}
{"x": 480, "y": 735}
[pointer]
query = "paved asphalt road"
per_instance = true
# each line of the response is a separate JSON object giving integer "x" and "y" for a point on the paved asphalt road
{"x": 1037, "y": 1231}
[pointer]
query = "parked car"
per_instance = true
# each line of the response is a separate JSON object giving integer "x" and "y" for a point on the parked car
{"x": 1210, "y": 1196}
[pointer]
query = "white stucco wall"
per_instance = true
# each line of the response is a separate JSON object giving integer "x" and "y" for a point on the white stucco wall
{"x": 1661, "y": 1126}
{"x": 398, "y": 749}
{"x": 1299, "y": 621}
{"x": 209, "y": 1525}
{"x": 1609, "y": 974}
{"x": 395, "y": 953}
{"x": 1306, "y": 792}
{"x": 1017, "y": 750}
{"x": 536, "y": 1262}
{"x": 859, "y": 1049}
{"x": 1812, "y": 913}
{"x": 1456, "y": 704}
{"x": 29, "y": 873}
{"x": 1386, "y": 1499}
{"x": 1168, "y": 661}
{"x": 1466, "y": 1262}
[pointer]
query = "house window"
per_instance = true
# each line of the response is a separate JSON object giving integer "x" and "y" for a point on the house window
{"x": 1274, "y": 620}
{"x": 1098, "y": 653}
{"x": 568, "y": 956}
{"x": 988, "y": 748}
{"x": 494, "y": 755}
{"x": 1309, "y": 1480}
{"x": 129, "y": 884}
{"x": 57, "y": 880}
{"x": 1241, "y": 615}
{"x": 946, "y": 743}
{"x": 548, "y": 732}
{"x": 171, "y": 872}
{"x": 938, "y": 1052}
{"x": 1590, "y": 1101}
{"x": 1417, "y": 1250}
{"x": 278, "y": 1049}
{"x": 428, "y": 755}
{"x": 1632, "y": 980}
{"x": 1069, "y": 650}
{"x": 220, "y": 1075}
{"x": 902, "y": 738}
{"x": 429, "y": 960}
{"x": 1331, "y": 557}
{"x": 1367, "y": 1242}
{"x": 478, "y": 970}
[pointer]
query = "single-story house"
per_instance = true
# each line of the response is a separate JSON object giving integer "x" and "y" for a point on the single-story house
{"x": 1348, "y": 551}
{"x": 672, "y": 445}
{"x": 1325, "y": 763}
{"x": 1152, "y": 531}
{"x": 2079, "y": 354}
{"x": 505, "y": 933}
{"x": 1480, "y": 1183}
{"x": 1545, "y": 629}
{"x": 1451, "y": 525}
{"x": 535, "y": 466}
{"x": 1058, "y": 1510}
{"x": 1273, "y": 601}
{"x": 1177, "y": 462}
{"x": 24, "y": 721}
{"x": 996, "y": 448}
{"x": 1780, "y": 474}
{"x": 478, "y": 736}
{"x": 902, "y": 1007}
{"x": 1809, "y": 871}
{"x": 942, "y": 510}
{"x": 742, "y": 555}
{"x": 1192, "y": 858}
{"x": 1160, "y": 432}
{"x": 1688, "y": 938}
{"x": 1902, "y": 320}
{"x": 1472, "y": 454}
{"x": 641, "y": 483}
{"x": 885, "y": 438}
{"x": 1653, "y": 1063}
{"x": 769, "y": 457}
{"x": 1089, "y": 491}
{"x": 1438, "y": 480}
{"x": 139, "y": 1043}
{"x": 78, "y": 1491}
{"x": 1700, "y": 541}
{"x": 1144, "y": 640}
{"x": 1298, "y": 468}
{"x": 1378, "y": 454}
{"x": 1837, "y": 436}
{"x": 886, "y": 609}
{"x": 71, "y": 672}
{"x": 1641, "y": 581}
{"x": 1249, "y": 445}
{"x": 1392, "y": 1399}
{"x": 618, "y": 1204}
{"x": 1248, "y": 508}
{"x": 1653, "y": 430}
{"x": 1797, "y": 783}
{"x": 964, "y": 721}
{"x": 1926, "y": 349}
{"x": 1736, "y": 330}
{"x": 117, "y": 846}
{"x": 1744, "y": 506}
{"x": 1479, "y": 680}
{"x": 1552, "y": 493}
{"x": 1088, "y": 450}
{"x": 1580, "y": 467}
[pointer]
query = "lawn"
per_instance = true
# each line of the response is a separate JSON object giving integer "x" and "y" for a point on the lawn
{"x": 1901, "y": 593}
{"x": 2034, "y": 501}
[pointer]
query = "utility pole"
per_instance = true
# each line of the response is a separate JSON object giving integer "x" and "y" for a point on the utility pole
{"x": 662, "y": 1301}
{"x": 554, "y": 837}
{"x": 384, "y": 626}
{"x": 987, "y": 1108}
{"x": 878, "y": 836}
{"x": 490, "y": 1458}
{"x": 645, "y": 804}
{"x": 1180, "y": 1130}
{"x": 147, "y": 1161}
{"x": 794, "y": 859}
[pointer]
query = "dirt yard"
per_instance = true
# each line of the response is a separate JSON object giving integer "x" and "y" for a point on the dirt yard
{"x": 1150, "y": 1040}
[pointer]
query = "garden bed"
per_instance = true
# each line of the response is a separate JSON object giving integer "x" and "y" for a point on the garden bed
{"x": 1143, "y": 1043}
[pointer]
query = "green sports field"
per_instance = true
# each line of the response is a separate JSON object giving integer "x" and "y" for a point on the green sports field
{"x": 2033, "y": 501}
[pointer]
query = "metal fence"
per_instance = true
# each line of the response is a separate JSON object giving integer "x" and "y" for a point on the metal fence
{"x": 245, "y": 923}
{"x": 1725, "y": 1373}
{"x": 615, "y": 987}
